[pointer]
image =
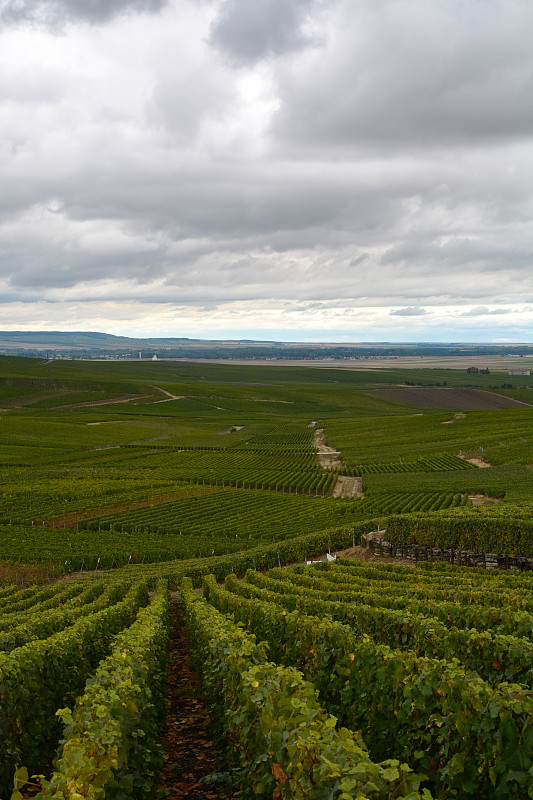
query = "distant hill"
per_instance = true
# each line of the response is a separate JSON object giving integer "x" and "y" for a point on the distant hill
{"x": 78, "y": 339}
{"x": 95, "y": 344}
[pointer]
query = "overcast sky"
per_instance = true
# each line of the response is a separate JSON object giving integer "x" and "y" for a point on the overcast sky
{"x": 338, "y": 170}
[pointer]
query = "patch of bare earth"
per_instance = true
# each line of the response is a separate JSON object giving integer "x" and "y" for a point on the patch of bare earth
{"x": 327, "y": 456}
{"x": 363, "y": 554}
{"x": 443, "y": 397}
{"x": 483, "y": 500}
{"x": 329, "y": 459}
{"x": 474, "y": 459}
{"x": 348, "y": 487}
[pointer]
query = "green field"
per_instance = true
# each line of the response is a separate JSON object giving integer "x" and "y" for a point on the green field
{"x": 126, "y": 477}
{"x": 82, "y": 441}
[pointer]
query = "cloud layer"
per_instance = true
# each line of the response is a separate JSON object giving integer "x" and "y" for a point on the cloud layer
{"x": 228, "y": 155}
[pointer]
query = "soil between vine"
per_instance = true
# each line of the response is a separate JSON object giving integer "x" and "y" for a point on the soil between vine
{"x": 190, "y": 753}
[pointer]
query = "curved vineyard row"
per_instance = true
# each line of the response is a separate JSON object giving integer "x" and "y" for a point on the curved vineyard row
{"x": 396, "y": 696}
{"x": 58, "y": 666}
{"x": 283, "y": 743}
{"x": 441, "y": 463}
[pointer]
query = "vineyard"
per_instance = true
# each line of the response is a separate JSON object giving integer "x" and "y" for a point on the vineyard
{"x": 374, "y": 678}
{"x": 213, "y": 522}
{"x": 449, "y": 701}
{"x": 190, "y": 499}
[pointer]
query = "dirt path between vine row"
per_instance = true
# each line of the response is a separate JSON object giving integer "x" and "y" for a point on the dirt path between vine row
{"x": 190, "y": 753}
{"x": 327, "y": 456}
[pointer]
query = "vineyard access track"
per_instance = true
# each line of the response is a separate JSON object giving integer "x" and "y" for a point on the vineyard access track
{"x": 328, "y": 458}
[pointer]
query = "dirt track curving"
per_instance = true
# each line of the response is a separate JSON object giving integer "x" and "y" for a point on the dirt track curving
{"x": 169, "y": 395}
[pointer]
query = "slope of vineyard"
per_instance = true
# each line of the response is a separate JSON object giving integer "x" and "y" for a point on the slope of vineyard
{"x": 452, "y": 702}
{"x": 364, "y": 679}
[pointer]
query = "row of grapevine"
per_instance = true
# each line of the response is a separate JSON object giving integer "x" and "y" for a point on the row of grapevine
{"x": 208, "y": 523}
{"x": 227, "y": 513}
{"x": 466, "y": 531}
{"x": 284, "y": 437}
{"x": 312, "y": 482}
{"x": 441, "y": 463}
{"x": 275, "y": 732}
{"x": 460, "y": 612}
{"x": 48, "y": 496}
{"x": 439, "y": 716}
{"x": 495, "y": 657}
{"x": 243, "y": 469}
{"x": 47, "y": 674}
{"x": 422, "y": 591}
{"x": 47, "y": 597}
{"x": 109, "y": 746}
{"x": 380, "y": 502}
{"x": 261, "y": 557}
{"x": 41, "y": 625}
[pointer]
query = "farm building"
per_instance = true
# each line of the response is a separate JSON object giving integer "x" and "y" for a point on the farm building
{"x": 520, "y": 371}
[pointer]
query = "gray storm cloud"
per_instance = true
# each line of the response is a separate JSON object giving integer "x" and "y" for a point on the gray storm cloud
{"x": 410, "y": 74}
{"x": 412, "y": 311}
{"x": 57, "y": 12}
{"x": 373, "y": 153}
{"x": 250, "y": 31}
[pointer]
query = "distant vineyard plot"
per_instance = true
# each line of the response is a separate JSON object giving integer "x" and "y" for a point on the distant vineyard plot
{"x": 452, "y": 398}
{"x": 151, "y": 480}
